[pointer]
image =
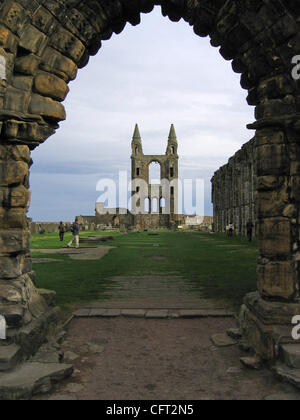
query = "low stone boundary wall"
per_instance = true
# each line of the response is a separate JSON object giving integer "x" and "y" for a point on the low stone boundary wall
{"x": 48, "y": 227}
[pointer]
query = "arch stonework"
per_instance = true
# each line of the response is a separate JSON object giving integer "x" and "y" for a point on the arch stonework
{"x": 43, "y": 43}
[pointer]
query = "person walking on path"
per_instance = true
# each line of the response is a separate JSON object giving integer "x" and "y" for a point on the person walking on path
{"x": 61, "y": 230}
{"x": 249, "y": 227}
{"x": 75, "y": 232}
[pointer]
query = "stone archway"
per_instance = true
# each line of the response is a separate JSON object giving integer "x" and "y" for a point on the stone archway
{"x": 43, "y": 43}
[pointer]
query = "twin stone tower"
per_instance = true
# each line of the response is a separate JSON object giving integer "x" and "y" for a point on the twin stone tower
{"x": 156, "y": 202}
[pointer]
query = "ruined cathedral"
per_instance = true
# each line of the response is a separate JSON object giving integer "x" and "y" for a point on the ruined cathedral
{"x": 153, "y": 205}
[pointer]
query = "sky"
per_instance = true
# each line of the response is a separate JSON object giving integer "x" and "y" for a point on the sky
{"x": 154, "y": 74}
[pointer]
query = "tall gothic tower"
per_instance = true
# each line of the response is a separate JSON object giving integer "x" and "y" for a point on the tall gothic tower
{"x": 143, "y": 192}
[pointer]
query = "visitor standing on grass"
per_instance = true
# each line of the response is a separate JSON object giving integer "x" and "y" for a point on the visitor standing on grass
{"x": 75, "y": 232}
{"x": 61, "y": 230}
{"x": 249, "y": 227}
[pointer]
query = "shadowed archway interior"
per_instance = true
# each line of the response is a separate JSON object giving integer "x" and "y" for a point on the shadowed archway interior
{"x": 43, "y": 43}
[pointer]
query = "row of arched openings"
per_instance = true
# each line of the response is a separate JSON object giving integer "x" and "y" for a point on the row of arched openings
{"x": 154, "y": 205}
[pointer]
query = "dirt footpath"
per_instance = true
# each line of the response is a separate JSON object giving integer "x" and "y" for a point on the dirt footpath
{"x": 172, "y": 359}
{"x": 84, "y": 253}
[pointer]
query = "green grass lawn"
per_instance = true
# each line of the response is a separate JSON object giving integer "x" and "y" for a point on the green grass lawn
{"x": 216, "y": 266}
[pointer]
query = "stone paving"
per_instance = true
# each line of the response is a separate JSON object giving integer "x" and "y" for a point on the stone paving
{"x": 152, "y": 313}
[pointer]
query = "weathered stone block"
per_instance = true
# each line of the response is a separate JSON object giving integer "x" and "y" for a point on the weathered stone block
{"x": 275, "y": 237}
{"x": 80, "y": 26}
{"x": 13, "y": 218}
{"x": 8, "y": 40}
{"x": 9, "y": 357}
{"x": 16, "y": 100}
{"x": 52, "y": 86}
{"x": 259, "y": 336}
{"x": 22, "y": 82}
{"x": 37, "y": 305}
{"x": 32, "y": 378}
{"x": 272, "y": 159}
{"x": 277, "y": 280}
{"x": 19, "y": 196}
{"x": 12, "y": 15}
{"x": 265, "y": 183}
{"x": 27, "y": 65}
{"x": 275, "y": 87}
{"x": 9, "y": 293}
{"x": 11, "y": 129}
{"x": 13, "y": 172}
{"x": 43, "y": 20}
{"x": 276, "y": 107}
{"x": 287, "y": 374}
{"x": 68, "y": 44}
{"x": 269, "y": 136}
{"x": 13, "y": 241}
{"x": 11, "y": 267}
{"x": 33, "y": 300}
{"x": 290, "y": 355}
{"x": 272, "y": 203}
{"x": 31, "y": 39}
{"x": 253, "y": 363}
{"x": 19, "y": 153}
{"x": 272, "y": 312}
{"x": 53, "y": 61}
{"x": 47, "y": 107}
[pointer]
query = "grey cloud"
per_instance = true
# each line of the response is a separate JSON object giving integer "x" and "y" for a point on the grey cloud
{"x": 155, "y": 74}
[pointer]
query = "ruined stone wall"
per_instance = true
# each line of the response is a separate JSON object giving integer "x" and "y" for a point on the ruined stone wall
{"x": 234, "y": 191}
{"x": 49, "y": 227}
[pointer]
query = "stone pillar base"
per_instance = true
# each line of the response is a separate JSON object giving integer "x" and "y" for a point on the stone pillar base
{"x": 44, "y": 322}
{"x": 266, "y": 325}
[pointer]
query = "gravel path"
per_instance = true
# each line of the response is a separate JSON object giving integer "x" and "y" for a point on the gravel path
{"x": 175, "y": 359}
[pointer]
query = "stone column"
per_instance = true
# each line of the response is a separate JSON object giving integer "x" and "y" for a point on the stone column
{"x": 20, "y": 302}
{"x": 270, "y": 311}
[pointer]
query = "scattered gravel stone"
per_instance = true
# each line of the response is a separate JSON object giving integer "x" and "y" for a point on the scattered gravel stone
{"x": 74, "y": 388}
{"x": 222, "y": 340}
{"x": 251, "y": 362}
{"x": 69, "y": 355}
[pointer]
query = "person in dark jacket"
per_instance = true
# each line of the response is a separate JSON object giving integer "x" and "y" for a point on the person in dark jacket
{"x": 61, "y": 230}
{"x": 249, "y": 227}
{"x": 75, "y": 232}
